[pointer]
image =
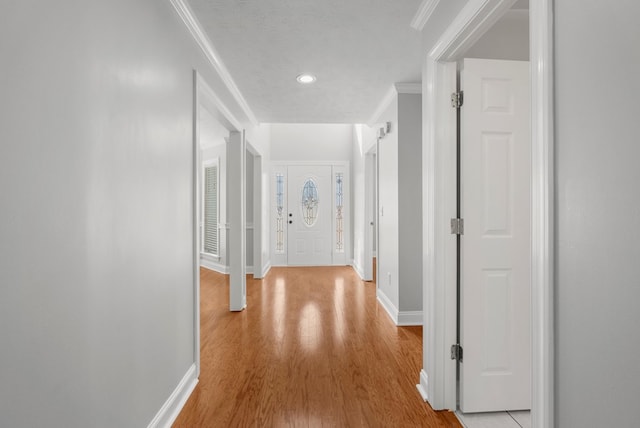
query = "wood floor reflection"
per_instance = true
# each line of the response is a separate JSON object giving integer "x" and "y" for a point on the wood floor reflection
{"x": 313, "y": 348}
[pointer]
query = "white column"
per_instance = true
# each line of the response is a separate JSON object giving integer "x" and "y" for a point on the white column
{"x": 236, "y": 217}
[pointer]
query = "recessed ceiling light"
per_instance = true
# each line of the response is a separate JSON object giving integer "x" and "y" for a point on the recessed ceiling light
{"x": 306, "y": 78}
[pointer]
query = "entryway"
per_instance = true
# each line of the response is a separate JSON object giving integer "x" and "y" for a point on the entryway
{"x": 438, "y": 380}
{"x": 310, "y": 219}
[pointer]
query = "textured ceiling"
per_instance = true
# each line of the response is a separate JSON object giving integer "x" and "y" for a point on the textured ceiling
{"x": 356, "y": 48}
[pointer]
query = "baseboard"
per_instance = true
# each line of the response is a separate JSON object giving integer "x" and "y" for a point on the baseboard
{"x": 387, "y": 305}
{"x": 219, "y": 267}
{"x": 407, "y": 318}
{"x": 423, "y": 386}
{"x": 215, "y": 266}
{"x": 266, "y": 268}
{"x": 358, "y": 269}
{"x": 174, "y": 404}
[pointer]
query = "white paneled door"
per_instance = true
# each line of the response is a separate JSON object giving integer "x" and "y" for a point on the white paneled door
{"x": 309, "y": 215}
{"x": 495, "y": 328}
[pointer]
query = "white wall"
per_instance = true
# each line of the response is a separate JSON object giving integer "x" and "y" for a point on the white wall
{"x": 388, "y": 226}
{"x": 260, "y": 140}
{"x": 211, "y": 131}
{"x": 506, "y": 39}
{"x": 249, "y": 210}
{"x": 363, "y": 140}
{"x": 311, "y": 142}
{"x": 357, "y": 203}
{"x": 96, "y": 226}
{"x": 400, "y": 209}
{"x": 597, "y": 213}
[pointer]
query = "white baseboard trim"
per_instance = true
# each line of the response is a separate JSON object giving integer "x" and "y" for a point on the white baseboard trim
{"x": 215, "y": 266}
{"x": 387, "y": 305}
{"x": 174, "y": 404}
{"x": 266, "y": 268}
{"x": 407, "y": 318}
{"x": 249, "y": 270}
{"x": 375, "y": 254}
{"x": 358, "y": 269}
{"x": 423, "y": 386}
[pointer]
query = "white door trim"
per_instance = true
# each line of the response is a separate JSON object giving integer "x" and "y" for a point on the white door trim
{"x": 369, "y": 216}
{"x": 197, "y": 88}
{"x": 437, "y": 379}
{"x": 259, "y": 215}
{"x": 542, "y": 224}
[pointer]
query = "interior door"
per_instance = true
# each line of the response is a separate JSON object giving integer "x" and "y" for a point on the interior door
{"x": 495, "y": 193}
{"x": 309, "y": 215}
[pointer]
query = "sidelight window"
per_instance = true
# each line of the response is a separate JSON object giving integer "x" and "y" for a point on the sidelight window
{"x": 280, "y": 213}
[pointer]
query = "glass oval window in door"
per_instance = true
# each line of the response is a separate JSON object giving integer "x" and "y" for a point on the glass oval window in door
{"x": 309, "y": 205}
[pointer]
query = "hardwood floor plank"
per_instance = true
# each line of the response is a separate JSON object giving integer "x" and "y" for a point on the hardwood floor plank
{"x": 313, "y": 349}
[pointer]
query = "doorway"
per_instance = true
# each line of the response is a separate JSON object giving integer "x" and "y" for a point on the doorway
{"x": 310, "y": 222}
{"x": 438, "y": 379}
{"x": 308, "y": 215}
{"x": 370, "y": 215}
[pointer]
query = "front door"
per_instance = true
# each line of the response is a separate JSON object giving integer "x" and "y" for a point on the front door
{"x": 495, "y": 303}
{"x": 309, "y": 219}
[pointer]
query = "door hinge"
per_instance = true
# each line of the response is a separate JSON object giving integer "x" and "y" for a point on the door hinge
{"x": 457, "y": 226}
{"x": 456, "y": 99}
{"x": 456, "y": 352}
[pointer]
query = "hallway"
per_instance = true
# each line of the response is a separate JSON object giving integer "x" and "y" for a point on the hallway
{"x": 314, "y": 348}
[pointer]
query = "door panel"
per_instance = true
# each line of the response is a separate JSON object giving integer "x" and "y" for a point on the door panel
{"x": 495, "y": 327}
{"x": 309, "y": 215}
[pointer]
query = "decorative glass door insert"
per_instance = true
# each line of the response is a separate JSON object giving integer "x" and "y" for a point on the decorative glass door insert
{"x": 309, "y": 202}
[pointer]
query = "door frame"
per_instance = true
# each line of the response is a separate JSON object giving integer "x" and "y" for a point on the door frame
{"x": 438, "y": 377}
{"x": 279, "y": 166}
{"x": 370, "y": 212}
{"x": 258, "y": 217}
{"x": 204, "y": 98}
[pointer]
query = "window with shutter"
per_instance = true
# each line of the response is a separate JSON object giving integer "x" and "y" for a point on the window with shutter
{"x": 210, "y": 238}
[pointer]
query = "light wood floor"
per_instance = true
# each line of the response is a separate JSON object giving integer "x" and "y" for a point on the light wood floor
{"x": 313, "y": 348}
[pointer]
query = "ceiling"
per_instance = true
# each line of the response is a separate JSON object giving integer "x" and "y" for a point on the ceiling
{"x": 356, "y": 48}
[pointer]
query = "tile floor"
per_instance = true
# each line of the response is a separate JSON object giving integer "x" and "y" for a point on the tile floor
{"x": 520, "y": 419}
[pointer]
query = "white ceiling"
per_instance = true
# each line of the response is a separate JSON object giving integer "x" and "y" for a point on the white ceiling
{"x": 356, "y": 48}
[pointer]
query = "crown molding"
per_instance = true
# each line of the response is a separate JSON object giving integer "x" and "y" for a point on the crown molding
{"x": 212, "y": 103}
{"x": 189, "y": 19}
{"x": 394, "y": 90}
{"x": 423, "y": 14}
{"x": 409, "y": 88}
{"x": 386, "y": 102}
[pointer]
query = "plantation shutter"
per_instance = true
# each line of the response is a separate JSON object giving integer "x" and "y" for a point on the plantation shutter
{"x": 211, "y": 209}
